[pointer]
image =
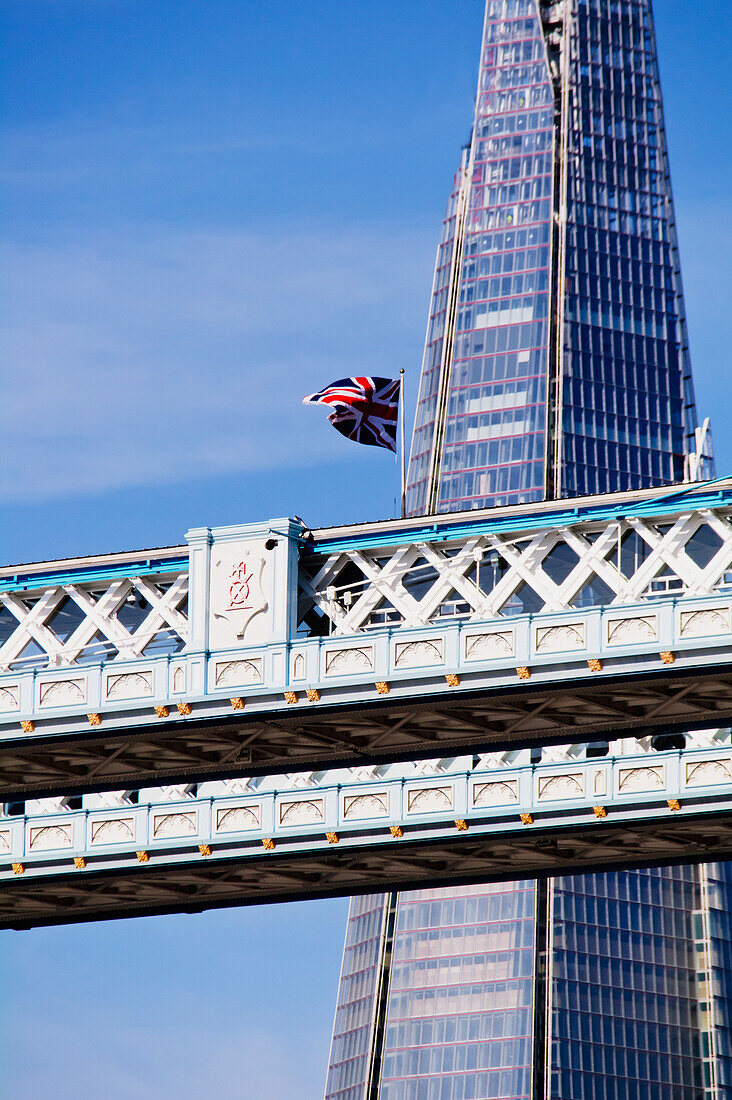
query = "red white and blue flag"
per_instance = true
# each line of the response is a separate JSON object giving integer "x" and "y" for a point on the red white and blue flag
{"x": 364, "y": 409}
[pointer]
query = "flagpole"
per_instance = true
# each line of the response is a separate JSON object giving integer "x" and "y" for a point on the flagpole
{"x": 401, "y": 440}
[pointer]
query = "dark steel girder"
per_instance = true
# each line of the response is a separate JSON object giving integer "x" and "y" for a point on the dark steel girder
{"x": 318, "y": 736}
{"x": 210, "y": 883}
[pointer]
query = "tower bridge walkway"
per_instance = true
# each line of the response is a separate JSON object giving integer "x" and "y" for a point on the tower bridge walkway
{"x": 365, "y": 831}
{"x": 270, "y": 648}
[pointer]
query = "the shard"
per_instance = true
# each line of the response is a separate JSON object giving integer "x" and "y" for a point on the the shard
{"x": 556, "y": 364}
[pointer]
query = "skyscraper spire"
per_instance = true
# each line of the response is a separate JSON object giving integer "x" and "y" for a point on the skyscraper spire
{"x": 556, "y": 360}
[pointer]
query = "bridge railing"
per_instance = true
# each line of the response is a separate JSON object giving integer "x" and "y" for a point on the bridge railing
{"x": 368, "y": 813}
{"x": 81, "y": 615}
{"x": 125, "y": 617}
{"x": 492, "y": 568}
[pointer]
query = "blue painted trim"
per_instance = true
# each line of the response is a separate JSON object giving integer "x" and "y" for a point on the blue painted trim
{"x": 145, "y": 568}
{"x": 669, "y": 503}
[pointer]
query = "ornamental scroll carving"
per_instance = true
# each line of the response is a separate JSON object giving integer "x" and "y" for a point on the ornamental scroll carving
{"x": 708, "y": 773}
{"x": 561, "y": 787}
{"x": 555, "y": 639}
{"x": 9, "y": 698}
{"x": 416, "y": 654}
{"x": 50, "y": 836}
{"x": 339, "y": 662}
{"x": 632, "y": 631}
{"x": 173, "y": 825}
{"x": 115, "y": 830}
{"x": 366, "y": 805}
{"x": 641, "y": 779}
{"x": 488, "y": 647}
{"x": 62, "y": 693}
{"x": 237, "y": 819}
{"x": 130, "y": 685}
{"x": 497, "y": 793}
{"x": 708, "y": 620}
{"x": 239, "y": 672}
{"x": 302, "y": 812}
{"x": 429, "y": 800}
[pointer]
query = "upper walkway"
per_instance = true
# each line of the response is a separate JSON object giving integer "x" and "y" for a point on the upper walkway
{"x": 268, "y": 647}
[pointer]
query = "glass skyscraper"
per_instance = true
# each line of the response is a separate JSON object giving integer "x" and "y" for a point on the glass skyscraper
{"x": 556, "y": 360}
{"x": 556, "y": 364}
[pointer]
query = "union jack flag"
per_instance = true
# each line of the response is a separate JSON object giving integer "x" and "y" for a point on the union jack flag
{"x": 364, "y": 409}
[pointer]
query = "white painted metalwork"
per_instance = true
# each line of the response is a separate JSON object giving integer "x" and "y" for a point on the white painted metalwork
{"x": 75, "y": 622}
{"x": 503, "y": 793}
{"x": 482, "y": 577}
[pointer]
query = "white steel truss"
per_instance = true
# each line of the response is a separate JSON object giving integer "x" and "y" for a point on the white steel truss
{"x": 487, "y": 576}
{"x": 94, "y": 616}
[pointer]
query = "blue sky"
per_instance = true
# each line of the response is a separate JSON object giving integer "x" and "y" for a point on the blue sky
{"x": 208, "y": 210}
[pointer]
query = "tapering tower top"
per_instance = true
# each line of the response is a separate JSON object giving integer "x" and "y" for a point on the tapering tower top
{"x": 556, "y": 361}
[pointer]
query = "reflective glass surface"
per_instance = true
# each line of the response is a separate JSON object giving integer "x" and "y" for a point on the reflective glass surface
{"x": 627, "y": 404}
{"x": 715, "y": 1000}
{"x": 353, "y": 1030}
{"x": 491, "y": 432}
{"x": 640, "y": 972}
{"x": 624, "y": 993}
{"x": 459, "y": 1014}
{"x": 625, "y": 411}
{"x": 424, "y": 441}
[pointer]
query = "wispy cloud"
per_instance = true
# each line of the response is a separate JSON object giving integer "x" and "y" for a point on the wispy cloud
{"x": 154, "y": 357}
{"x": 144, "y": 357}
{"x": 42, "y": 156}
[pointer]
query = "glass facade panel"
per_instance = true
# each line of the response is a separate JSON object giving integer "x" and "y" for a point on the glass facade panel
{"x": 439, "y": 336}
{"x": 353, "y": 1029}
{"x": 715, "y": 993}
{"x": 459, "y": 1013}
{"x": 559, "y": 234}
{"x": 487, "y": 336}
{"x": 624, "y": 995}
{"x": 627, "y": 407}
